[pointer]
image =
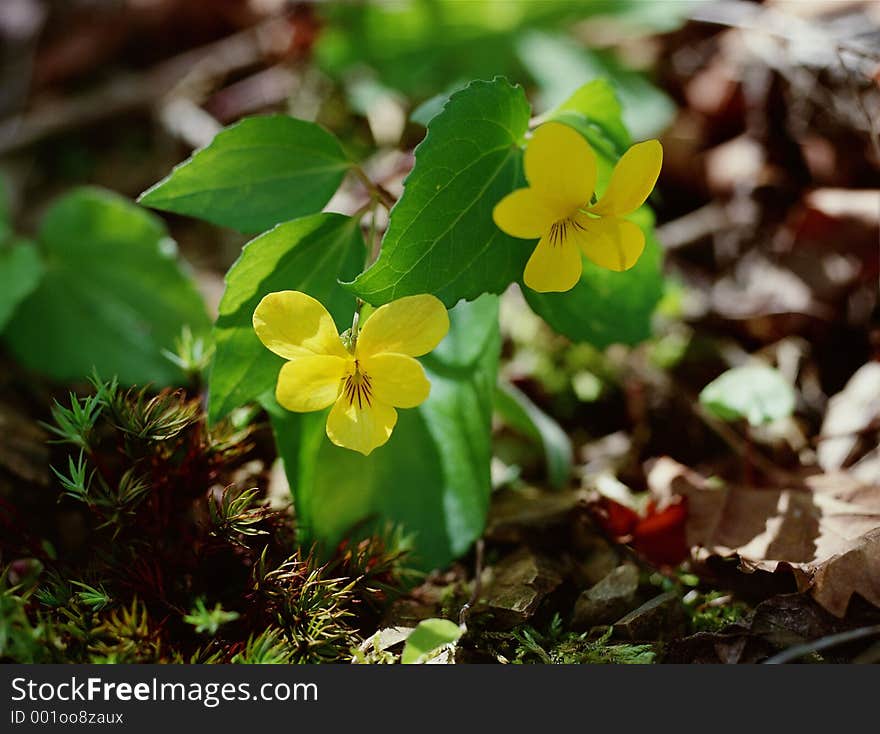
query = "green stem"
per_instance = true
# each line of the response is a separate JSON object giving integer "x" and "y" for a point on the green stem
{"x": 378, "y": 195}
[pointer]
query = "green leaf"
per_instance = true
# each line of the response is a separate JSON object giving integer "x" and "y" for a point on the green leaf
{"x": 560, "y": 65}
{"x": 308, "y": 255}
{"x": 20, "y": 272}
{"x": 5, "y": 212}
{"x": 524, "y": 416}
{"x": 441, "y": 238}
{"x": 758, "y": 393}
{"x": 112, "y": 297}
{"x": 255, "y": 174}
{"x": 594, "y": 110}
{"x": 428, "y": 637}
{"x": 429, "y": 109}
{"x": 607, "y": 307}
{"x": 432, "y": 477}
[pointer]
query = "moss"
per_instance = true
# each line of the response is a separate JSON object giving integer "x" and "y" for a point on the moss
{"x": 173, "y": 561}
{"x": 713, "y": 611}
{"x": 570, "y": 648}
{"x": 555, "y": 645}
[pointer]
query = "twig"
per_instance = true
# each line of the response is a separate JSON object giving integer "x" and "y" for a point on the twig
{"x": 874, "y": 425}
{"x": 478, "y": 584}
{"x": 186, "y": 120}
{"x": 131, "y": 92}
{"x": 741, "y": 447}
{"x": 873, "y": 130}
{"x": 823, "y": 643}
{"x": 693, "y": 226}
{"x": 377, "y": 191}
{"x": 747, "y": 16}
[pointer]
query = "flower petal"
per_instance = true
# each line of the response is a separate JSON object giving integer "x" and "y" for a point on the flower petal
{"x": 310, "y": 383}
{"x": 523, "y": 214}
{"x": 360, "y": 429}
{"x": 397, "y": 380}
{"x": 632, "y": 180}
{"x": 413, "y": 325}
{"x": 616, "y": 244}
{"x": 553, "y": 267}
{"x": 561, "y": 167}
{"x": 293, "y": 324}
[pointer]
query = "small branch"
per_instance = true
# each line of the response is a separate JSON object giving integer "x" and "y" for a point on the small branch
{"x": 736, "y": 443}
{"x": 187, "y": 121}
{"x": 129, "y": 92}
{"x": 377, "y": 191}
{"x": 741, "y": 447}
{"x": 478, "y": 584}
{"x": 874, "y": 425}
{"x": 823, "y": 643}
{"x": 873, "y": 130}
{"x": 693, "y": 226}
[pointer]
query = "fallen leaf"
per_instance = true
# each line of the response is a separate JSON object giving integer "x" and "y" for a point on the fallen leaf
{"x": 655, "y": 530}
{"x": 778, "y": 623}
{"x": 852, "y": 411}
{"x": 827, "y": 532}
{"x": 660, "y": 537}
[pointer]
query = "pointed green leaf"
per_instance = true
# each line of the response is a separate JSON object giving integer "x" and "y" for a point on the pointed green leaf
{"x": 308, "y": 255}
{"x": 428, "y": 637}
{"x": 521, "y": 414}
{"x": 113, "y": 295}
{"x": 255, "y": 174}
{"x": 594, "y": 110}
{"x": 5, "y": 211}
{"x": 441, "y": 238}
{"x": 20, "y": 272}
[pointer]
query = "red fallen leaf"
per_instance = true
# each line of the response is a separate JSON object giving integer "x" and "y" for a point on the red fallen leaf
{"x": 660, "y": 536}
{"x": 616, "y": 519}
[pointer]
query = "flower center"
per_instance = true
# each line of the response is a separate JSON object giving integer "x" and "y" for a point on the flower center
{"x": 358, "y": 388}
{"x": 559, "y": 231}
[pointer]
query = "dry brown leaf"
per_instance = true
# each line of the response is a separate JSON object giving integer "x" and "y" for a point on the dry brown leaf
{"x": 850, "y": 413}
{"x": 827, "y": 533}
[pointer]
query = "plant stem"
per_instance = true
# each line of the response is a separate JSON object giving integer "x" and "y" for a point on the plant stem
{"x": 748, "y": 464}
{"x": 377, "y": 191}
{"x": 378, "y": 195}
{"x": 478, "y": 584}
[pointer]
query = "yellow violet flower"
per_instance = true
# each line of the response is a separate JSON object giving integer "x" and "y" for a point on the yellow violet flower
{"x": 364, "y": 384}
{"x": 560, "y": 167}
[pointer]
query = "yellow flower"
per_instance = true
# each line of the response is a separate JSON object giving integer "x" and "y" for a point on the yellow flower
{"x": 364, "y": 384}
{"x": 561, "y": 170}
